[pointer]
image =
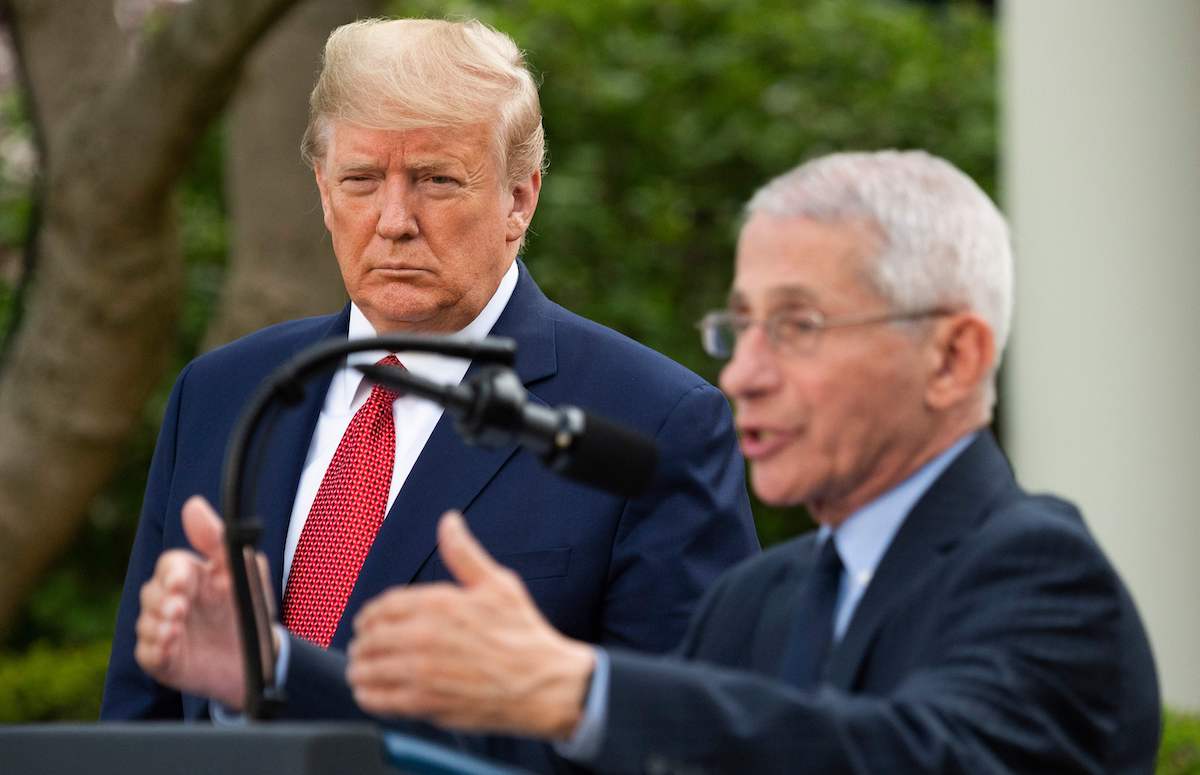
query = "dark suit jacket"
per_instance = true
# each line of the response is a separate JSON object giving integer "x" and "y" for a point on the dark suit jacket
{"x": 601, "y": 567}
{"x": 994, "y": 637}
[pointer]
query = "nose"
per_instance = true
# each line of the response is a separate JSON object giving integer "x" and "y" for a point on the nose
{"x": 753, "y": 370}
{"x": 397, "y": 214}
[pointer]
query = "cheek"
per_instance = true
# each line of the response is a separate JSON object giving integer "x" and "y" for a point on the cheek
{"x": 834, "y": 421}
{"x": 351, "y": 224}
{"x": 471, "y": 244}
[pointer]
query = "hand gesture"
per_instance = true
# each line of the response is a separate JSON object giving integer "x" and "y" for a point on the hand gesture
{"x": 477, "y": 655}
{"x": 187, "y": 630}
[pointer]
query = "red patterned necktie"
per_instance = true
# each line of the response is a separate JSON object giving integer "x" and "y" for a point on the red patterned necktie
{"x": 345, "y": 515}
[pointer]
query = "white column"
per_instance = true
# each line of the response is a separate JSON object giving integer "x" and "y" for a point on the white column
{"x": 1102, "y": 391}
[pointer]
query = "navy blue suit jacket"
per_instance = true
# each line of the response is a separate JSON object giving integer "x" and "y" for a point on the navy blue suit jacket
{"x": 602, "y": 568}
{"x": 994, "y": 638}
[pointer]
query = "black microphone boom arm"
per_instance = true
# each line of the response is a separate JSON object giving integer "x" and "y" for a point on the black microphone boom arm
{"x": 286, "y": 385}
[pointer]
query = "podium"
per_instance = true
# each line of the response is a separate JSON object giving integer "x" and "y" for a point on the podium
{"x": 171, "y": 748}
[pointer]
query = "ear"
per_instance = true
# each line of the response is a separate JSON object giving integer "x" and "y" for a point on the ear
{"x": 962, "y": 354}
{"x": 524, "y": 194}
{"x": 323, "y": 188}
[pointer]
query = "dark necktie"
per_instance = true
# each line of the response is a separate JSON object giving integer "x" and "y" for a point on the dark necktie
{"x": 344, "y": 518}
{"x": 813, "y": 633}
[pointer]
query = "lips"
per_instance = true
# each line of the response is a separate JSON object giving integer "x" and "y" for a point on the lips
{"x": 759, "y": 442}
{"x": 399, "y": 268}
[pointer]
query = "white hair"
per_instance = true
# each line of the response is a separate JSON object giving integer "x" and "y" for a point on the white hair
{"x": 943, "y": 242}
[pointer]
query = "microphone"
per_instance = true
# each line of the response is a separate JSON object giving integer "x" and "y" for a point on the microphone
{"x": 492, "y": 408}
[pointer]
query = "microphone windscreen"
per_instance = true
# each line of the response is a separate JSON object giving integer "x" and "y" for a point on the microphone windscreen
{"x": 611, "y": 457}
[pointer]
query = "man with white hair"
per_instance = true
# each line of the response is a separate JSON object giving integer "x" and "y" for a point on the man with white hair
{"x": 940, "y": 620}
{"x": 426, "y": 142}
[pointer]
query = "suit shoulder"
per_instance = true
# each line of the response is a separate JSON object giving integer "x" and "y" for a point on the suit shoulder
{"x": 585, "y": 345}
{"x": 1038, "y": 534}
{"x": 1038, "y": 517}
{"x": 262, "y": 350}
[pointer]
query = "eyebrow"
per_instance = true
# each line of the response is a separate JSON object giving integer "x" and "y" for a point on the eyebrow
{"x": 419, "y": 166}
{"x": 433, "y": 165}
{"x": 356, "y": 167}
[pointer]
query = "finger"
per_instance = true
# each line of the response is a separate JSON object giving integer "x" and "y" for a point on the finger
{"x": 177, "y": 572}
{"x": 204, "y": 530}
{"x": 390, "y": 701}
{"x": 393, "y": 669}
{"x": 152, "y": 591}
{"x": 399, "y": 603}
{"x": 387, "y": 636}
{"x": 147, "y": 629}
{"x": 156, "y": 639}
{"x": 465, "y": 558}
{"x": 149, "y": 656}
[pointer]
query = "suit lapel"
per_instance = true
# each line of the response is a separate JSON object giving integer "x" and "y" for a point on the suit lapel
{"x": 449, "y": 473}
{"x": 776, "y": 621}
{"x": 287, "y": 439}
{"x": 949, "y": 510}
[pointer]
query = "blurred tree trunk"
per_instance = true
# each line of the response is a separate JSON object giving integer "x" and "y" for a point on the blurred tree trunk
{"x": 281, "y": 265}
{"x": 115, "y": 127}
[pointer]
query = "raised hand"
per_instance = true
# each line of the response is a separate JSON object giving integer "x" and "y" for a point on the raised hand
{"x": 477, "y": 655}
{"x": 187, "y": 629}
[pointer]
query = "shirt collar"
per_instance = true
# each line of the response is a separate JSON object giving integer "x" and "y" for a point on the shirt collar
{"x": 866, "y": 534}
{"x": 440, "y": 368}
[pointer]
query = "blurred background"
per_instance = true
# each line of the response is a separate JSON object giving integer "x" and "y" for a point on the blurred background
{"x": 153, "y": 205}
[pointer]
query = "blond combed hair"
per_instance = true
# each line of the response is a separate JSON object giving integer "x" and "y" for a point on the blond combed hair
{"x": 407, "y": 73}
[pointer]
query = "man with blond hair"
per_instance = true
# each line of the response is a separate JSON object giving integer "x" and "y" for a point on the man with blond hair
{"x": 426, "y": 142}
{"x": 940, "y": 620}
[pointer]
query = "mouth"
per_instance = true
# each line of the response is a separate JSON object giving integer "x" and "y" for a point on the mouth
{"x": 759, "y": 443}
{"x": 399, "y": 269}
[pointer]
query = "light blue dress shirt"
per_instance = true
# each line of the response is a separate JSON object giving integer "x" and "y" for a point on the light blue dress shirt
{"x": 862, "y": 539}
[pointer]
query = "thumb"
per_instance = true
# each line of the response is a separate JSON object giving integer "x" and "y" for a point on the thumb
{"x": 204, "y": 529}
{"x": 466, "y": 560}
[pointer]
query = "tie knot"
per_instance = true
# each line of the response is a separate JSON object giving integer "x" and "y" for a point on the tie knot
{"x": 829, "y": 562}
{"x": 379, "y": 393}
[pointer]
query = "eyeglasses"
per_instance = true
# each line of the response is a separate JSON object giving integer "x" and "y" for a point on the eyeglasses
{"x": 791, "y": 331}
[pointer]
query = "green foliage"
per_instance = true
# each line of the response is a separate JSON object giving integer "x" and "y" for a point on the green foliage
{"x": 1179, "y": 753}
{"x": 663, "y": 116}
{"x": 47, "y": 683}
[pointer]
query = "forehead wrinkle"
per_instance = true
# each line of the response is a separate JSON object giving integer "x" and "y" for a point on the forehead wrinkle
{"x": 778, "y": 294}
{"x": 792, "y": 293}
{"x": 432, "y": 164}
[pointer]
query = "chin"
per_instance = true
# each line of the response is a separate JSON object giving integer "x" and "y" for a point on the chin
{"x": 775, "y": 490}
{"x": 406, "y": 307}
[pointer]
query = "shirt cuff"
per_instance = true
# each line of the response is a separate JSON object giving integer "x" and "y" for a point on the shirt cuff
{"x": 283, "y": 657}
{"x": 223, "y": 716}
{"x": 585, "y": 744}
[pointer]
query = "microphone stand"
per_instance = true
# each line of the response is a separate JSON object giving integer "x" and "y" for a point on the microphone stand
{"x": 263, "y": 698}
